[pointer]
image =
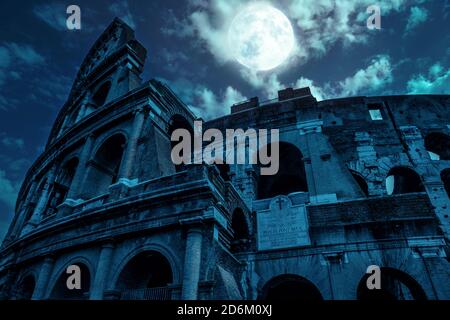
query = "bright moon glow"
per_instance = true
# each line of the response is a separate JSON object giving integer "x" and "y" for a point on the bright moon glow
{"x": 261, "y": 37}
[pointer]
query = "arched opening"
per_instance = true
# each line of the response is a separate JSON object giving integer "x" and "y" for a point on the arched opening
{"x": 62, "y": 185}
{"x": 438, "y": 146}
{"x": 146, "y": 276}
{"x": 241, "y": 234}
{"x": 291, "y": 176}
{"x": 25, "y": 288}
{"x": 395, "y": 285}
{"x": 290, "y": 288}
{"x": 445, "y": 177}
{"x": 361, "y": 182}
{"x": 224, "y": 170}
{"x": 179, "y": 122}
{"x": 62, "y": 292}
{"x": 403, "y": 180}
{"x": 104, "y": 167}
{"x": 101, "y": 94}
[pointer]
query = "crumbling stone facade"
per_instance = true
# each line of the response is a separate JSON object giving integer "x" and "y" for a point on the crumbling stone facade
{"x": 362, "y": 181}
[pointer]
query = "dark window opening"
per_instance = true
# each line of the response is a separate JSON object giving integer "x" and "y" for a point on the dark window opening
{"x": 25, "y": 288}
{"x": 403, "y": 180}
{"x": 100, "y": 96}
{"x": 290, "y": 288}
{"x": 146, "y": 276}
{"x": 291, "y": 176}
{"x": 445, "y": 177}
{"x": 224, "y": 170}
{"x": 104, "y": 168}
{"x": 438, "y": 145}
{"x": 241, "y": 234}
{"x": 395, "y": 285}
{"x": 62, "y": 292}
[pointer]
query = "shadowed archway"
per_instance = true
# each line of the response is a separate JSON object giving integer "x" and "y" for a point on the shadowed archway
{"x": 291, "y": 176}
{"x": 25, "y": 289}
{"x": 395, "y": 285}
{"x": 289, "y": 287}
{"x": 61, "y": 291}
{"x": 402, "y": 180}
{"x": 146, "y": 277}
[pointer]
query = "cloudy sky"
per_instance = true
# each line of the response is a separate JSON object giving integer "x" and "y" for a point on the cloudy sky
{"x": 335, "y": 54}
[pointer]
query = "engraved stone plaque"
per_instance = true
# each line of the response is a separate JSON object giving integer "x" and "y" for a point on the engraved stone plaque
{"x": 282, "y": 225}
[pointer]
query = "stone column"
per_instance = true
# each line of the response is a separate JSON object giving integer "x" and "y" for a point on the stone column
{"x": 103, "y": 264}
{"x": 132, "y": 144}
{"x": 44, "y": 276}
{"x": 42, "y": 202}
{"x": 77, "y": 181}
{"x": 192, "y": 260}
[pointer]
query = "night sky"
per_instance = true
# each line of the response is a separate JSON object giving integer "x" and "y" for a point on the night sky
{"x": 336, "y": 55}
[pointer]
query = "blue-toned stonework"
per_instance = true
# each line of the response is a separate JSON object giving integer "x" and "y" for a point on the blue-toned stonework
{"x": 362, "y": 181}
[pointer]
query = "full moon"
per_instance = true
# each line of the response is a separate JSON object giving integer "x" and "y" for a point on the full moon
{"x": 261, "y": 37}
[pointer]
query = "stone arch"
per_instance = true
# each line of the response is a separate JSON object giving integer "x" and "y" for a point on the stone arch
{"x": 178, "y": 121}
{"x": 147, "y": 275}
{"x": 105, "y": 164}
{"x": 25, "y": 287}
{"x": 361, "y": 181}
{"x": 402, "y": 180}
{"x": 291, "y": 176}
{"x": 438, "y": 145}
{"x": 290, "y": 287}
{"x": 167, "y": 253}
{"x": 58, "y": 288}
{"x": 395, "y": 285}
{"x": 445, "y": 177}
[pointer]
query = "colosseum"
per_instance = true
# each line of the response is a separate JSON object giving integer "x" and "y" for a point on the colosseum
{"x": 362, "y": 181}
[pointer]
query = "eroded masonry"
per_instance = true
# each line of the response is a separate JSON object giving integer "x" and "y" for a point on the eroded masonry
{"x": 362, "y": 181}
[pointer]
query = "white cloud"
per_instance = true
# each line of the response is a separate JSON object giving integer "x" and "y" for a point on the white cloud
{"x": 209, "y": 105}
{"x": 417, "y": 16}
{"x": 203, "y": 101}
{"x": 364, "y": 81}
{"x": 8, "y": 190}
{"x": 122, "y": 10}
{"x": 320, "y": 23}
{"x": 5, "y": 57}
{"x": 25, "y": 53}
{"x": 11, "y": 142}
{"x": 370, "y": 79}
{"x": 53, "y": 14}
{"x": 14, "y": 58}
{"x": 436, "y": 82}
